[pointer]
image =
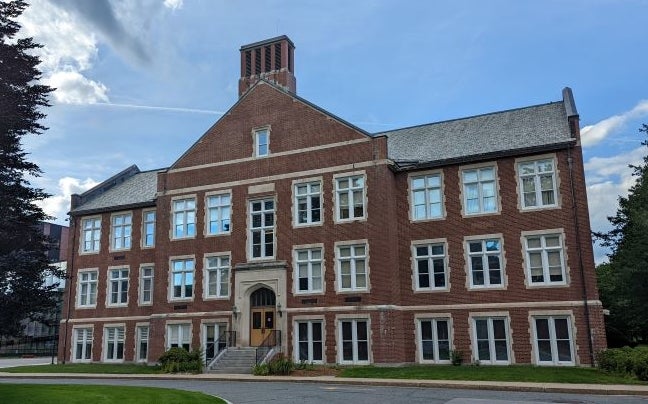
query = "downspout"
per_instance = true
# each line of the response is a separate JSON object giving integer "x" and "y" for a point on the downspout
{"x": 588, "y": 324}
{"x": 69, "y": 286}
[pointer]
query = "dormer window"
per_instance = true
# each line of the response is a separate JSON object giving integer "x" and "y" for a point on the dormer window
{"x": 261, "y": 142}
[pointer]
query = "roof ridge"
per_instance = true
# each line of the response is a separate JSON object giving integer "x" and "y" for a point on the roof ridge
{"x": 468, "y": 117}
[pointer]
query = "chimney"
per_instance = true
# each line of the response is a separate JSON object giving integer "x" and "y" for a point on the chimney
{"x": 572, "y": 113}
{"x": 271, "y": 60}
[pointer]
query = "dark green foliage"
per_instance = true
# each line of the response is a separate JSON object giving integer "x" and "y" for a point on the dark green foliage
{"x": 279, "y": 365}
{"x": 22, "y": 247}
{"x": 456, "y": 357}
{"x": 179, "y": 360}
{"x": 625, "y": 361}
{"x": 623, "y": 283}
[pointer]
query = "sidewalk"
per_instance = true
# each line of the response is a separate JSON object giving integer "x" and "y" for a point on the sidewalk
{"x": 602, "y": 389}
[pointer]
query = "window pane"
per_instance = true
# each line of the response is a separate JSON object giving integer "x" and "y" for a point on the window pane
{"x": 562, "y": 331}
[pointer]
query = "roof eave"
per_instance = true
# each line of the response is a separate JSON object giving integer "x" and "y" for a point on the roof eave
{"x": 85, "y": 212}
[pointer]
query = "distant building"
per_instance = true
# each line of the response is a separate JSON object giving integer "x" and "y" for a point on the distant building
{"x": 284, "y": 220}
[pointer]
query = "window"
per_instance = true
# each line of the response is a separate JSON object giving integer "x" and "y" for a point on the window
{"x": 148, "y": 229}
{"x": 426, "y": 197}
{"x": 114, "y": 349}
{"x": 430, "y": 266}
{"x": 142, "y": 335}
{"x": 262, "y": 228}
{"x": 87, "y": 289}
{"x": 480, "y": 193}
{"x": 537, "y": 183}
{"x": 485, "y": 263}
{"x": 121, "y": 231}
{"x": 118, "y": 287}
{"x": 217, "y": 271}
{"x": 184, "y": 218}
{"x": 308, "y": 270}
{"x": 553, "y": 340}
{"x": 91, "y": 235}
{"x": 354, "y": 335}
{"x": 146, "y": 285}
{"x": 218, "y": 214}
{"x": 310, "y": 346}
{"x": 182, "y": 273}
{"x": 349, "y": 192}
{"x": 352, "y": 268}
{"x": 491, "y": 340}
{"x": 82, "y": 344}
{"x": 434, "y": 340}
{"x": 544, "y": 256}
{"x": 308, "y": 203}
{"x": 261, "y": 142}
{"x": 179, "y": 336}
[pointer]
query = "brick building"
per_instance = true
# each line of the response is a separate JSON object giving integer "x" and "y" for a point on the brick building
{"x": 354, "y": 247}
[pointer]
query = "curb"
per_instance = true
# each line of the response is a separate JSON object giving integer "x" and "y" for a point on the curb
{"x": 595, "y": 389}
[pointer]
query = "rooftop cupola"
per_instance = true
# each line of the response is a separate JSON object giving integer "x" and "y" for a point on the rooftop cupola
{"x": 271, "y": 60}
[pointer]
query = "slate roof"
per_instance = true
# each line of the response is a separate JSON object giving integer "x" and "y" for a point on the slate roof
{"x": 137, "y": 189}
{"x": 489, "y": 134}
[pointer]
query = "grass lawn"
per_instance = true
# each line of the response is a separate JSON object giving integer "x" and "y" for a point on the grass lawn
{"x": 86, "y": 368}
{"x": 538, "y": 374}
{"x": 81, "y": 394}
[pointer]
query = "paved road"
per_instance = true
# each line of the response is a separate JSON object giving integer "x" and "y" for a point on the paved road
{"x": 301, "y": 393}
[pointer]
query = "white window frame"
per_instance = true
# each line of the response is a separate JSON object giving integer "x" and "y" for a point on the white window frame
{"x": 484, "y": 254}
{"x": 430, "y": 258}
{"x": 188, "y": 215}
{"x": 182, "y": 270}
{"x": 220, "y": 204}
{"x": 480, "y": 182}
{"x": 141, "y": 336}
{"x": 222, "y": 270}
{"x": 553, "y": 340}
{"x": 309, "y": 340}
{"x": 184, "y": 335}
{"x": 491, "y": 340}
{"x": 538, "y": 172}
{"x": 90, "y": 233}
{"x": 353, "y": 260}
{"x": 146, "y": 221}
{"x": 350, "y": 191}
{"x": 311, "y": 206}
{"x": 121, "y": 231}
{"x": 544, "y": 251}
{"x": 264, "y": 229}
{"x": 258, "y": 144}
{"x": 119, "y": 336}
{"x": 354, "y": 341}
{"x": 91, "y": 289}
{"x": 435, "y": 338}
{"x": 143, "y": 280}
{"x": 118, "y": 283}
{"x": 86, "y": 341}
{"x": 426, "y": 189}
{"x": 310, "y": 263}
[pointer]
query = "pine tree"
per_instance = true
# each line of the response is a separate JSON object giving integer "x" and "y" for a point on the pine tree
{"x": 624, "y": 281}
{"x": 23, "y": 262}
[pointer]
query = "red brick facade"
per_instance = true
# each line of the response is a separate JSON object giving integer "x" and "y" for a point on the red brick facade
{"x": 306, "y": 143}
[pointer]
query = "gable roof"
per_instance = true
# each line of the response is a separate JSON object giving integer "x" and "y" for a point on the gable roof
{"x": 498, "y": 133}
{"x": 129, "y": 188}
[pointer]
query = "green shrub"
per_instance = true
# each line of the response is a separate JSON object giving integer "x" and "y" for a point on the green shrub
{"x": 456, "y": 357}
{"x": 177, "y": 360}
{"x": 281, "y": 365}
{"x": 626, "y": 361}
{"x": 261, "y": 369}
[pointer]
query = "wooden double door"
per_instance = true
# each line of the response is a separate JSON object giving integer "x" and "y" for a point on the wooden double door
{"x": 263, "y": 324}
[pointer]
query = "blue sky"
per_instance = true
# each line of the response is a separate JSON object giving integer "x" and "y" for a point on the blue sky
{"x": 139, "y": 81}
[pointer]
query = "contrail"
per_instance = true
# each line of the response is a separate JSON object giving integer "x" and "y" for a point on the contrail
{"x": 156, "y": 108}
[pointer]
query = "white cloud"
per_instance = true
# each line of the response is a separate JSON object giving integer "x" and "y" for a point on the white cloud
{"x": 608, "y": 178}
{"x": 74, "y": 88}
{"x": 173, "y": 4}
{"x": 58, "y": 205}
{"x": 593, "y": 134}
{"x": 69, "y": 49}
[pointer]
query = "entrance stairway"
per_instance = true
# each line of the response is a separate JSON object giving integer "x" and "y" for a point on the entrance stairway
{"x": 234, "y": 360}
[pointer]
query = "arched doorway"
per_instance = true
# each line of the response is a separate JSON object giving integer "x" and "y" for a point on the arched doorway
{"x": 262, "y": 316}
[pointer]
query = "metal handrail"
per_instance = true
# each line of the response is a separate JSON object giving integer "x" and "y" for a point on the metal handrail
{"x": 271, "y": 341}
{"x": 212, "y": 349}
